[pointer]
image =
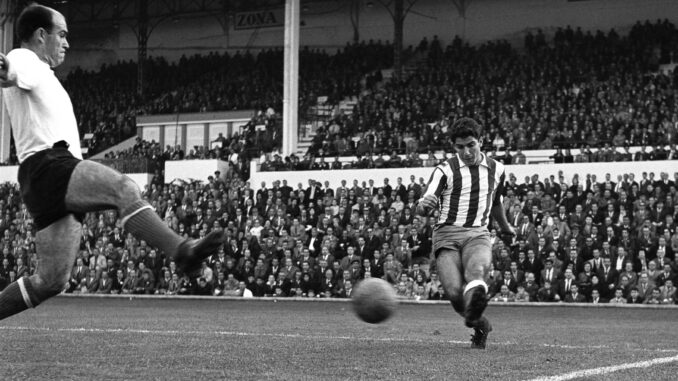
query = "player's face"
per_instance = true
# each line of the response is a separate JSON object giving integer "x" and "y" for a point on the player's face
{"x": 468, "y": 149}
{"x": 56, "y": 43}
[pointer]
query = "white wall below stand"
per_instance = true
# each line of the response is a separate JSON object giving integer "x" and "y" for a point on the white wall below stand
{"x": 9, "y": 174}
{"x": 520, "y": 171}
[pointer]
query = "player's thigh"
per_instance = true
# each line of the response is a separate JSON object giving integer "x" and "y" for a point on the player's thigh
{"x": 476, "y": 256}
{"x": 449, "y": 269}
{"x": 94, "y": 186}
{"x": 57, "y": 246}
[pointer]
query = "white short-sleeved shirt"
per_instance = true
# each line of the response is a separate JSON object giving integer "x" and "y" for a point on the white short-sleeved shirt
{"x": 39, "y": 107}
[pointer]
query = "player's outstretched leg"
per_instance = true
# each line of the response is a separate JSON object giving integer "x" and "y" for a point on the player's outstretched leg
{"x": 448, "y": 266}
{"x": 57, "y": 246}
{"x": 476, "y": 259}
{"x": 94, "y": 186}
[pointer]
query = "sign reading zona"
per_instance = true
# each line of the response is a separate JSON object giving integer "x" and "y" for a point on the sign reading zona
{"x": 260, "y": 19}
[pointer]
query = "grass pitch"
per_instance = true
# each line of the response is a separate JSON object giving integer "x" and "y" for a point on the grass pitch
{"x": 151, "y": 338}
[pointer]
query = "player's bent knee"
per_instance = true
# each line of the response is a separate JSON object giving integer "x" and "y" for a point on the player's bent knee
{"x": 44, "y": 289}
{"x": 129, "y": 190}
{"x": 52, "y": 289}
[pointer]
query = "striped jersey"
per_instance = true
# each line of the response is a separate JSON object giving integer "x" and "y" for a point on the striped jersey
{"x": 466, "y": 194}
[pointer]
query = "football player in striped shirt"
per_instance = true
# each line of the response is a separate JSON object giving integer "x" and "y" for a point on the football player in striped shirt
{"x": 466, "y": 191}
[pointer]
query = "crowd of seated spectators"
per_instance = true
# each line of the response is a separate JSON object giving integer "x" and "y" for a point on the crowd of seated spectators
{"x": 237, "y": 149}
{"x": 397, "y": 159}
{"x": 587, "y": 240}
{"x": 579, "y": 89}
{"x": 400, "y": 159}
{"x": 106, "y": 102}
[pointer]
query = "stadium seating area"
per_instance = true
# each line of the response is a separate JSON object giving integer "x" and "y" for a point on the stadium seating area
{"x": 576, "y": 241}
{"x": 602, "y": 237}
{"x": 106, "y": 103}
{"x": 579, "y": 89}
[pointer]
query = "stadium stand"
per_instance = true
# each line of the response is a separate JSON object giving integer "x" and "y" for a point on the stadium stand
{"x": 577, "y": 90}
{"x": 106, "y": 104}
{"x": 314, "y": 242}
{"x": 586, "y": 90}
{"x": 591, "y": 91}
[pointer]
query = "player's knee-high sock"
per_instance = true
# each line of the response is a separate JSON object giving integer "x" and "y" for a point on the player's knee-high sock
{"x": 141, "y": 220}
{"x": 458, "y": 305}
{"x": 475, "y": 301}
{"x": 17, "y": 297}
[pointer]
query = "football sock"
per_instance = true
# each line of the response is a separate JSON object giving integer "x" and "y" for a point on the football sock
{"x": 475, "y": 283}
{"x": 458, "y": 306}
{"x": 141, "y": 220}
{"x": 17, "y": 297}
{"x": 474, "y": 302}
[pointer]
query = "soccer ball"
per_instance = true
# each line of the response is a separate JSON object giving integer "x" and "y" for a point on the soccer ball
{"x": 374, "y": 300}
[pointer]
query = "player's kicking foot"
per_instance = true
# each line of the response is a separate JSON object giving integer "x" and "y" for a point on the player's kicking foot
{"x": 480, "y": 332}
{"x": 476, "y": 302}
{"x": 192, "y": 252}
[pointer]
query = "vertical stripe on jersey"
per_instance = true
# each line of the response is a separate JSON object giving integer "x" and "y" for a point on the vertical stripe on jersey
{"x": 441, "y": 178}
{"x": 453, "y": 206}
{"x": 465, "y": 195}
{"x": 482, "y": 191}
{"x": 491, "y": 187}
{"x": 474, "y": 196}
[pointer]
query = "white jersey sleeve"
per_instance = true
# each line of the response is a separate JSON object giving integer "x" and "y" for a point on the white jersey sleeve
{"x": 25, "y": 72}
{"x": 39, "y": 108}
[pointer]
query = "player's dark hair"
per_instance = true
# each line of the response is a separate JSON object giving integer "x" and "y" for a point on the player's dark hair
{"x": 465, "y": 127}
{"x": 32, "y": 18}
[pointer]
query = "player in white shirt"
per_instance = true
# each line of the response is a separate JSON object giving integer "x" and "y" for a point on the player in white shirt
{"x": 57, "y": 186}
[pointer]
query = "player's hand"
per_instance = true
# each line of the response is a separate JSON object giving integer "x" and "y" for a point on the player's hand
{"x": 4, "y": 66}
{"x": 427, "y": 203}
{"x": 508, "y": 232}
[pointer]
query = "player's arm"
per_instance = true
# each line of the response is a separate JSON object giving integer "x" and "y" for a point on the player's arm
{"x": 499, "y": 216}
{"x": 18, "y": 71}
{"x": 4, "y": 71}
{"x": 435, "y": 187}
{"x": 498, "y": 212}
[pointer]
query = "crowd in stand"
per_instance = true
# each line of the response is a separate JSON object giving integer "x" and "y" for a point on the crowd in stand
{"x": 579, "y": 240}
{"x": 579, "y": 89}
{"x": 106, "y": 102}
{"x": 589, "y": 240}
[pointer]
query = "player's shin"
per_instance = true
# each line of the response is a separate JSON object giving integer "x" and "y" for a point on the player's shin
{"x": 141, "y": 220}
{"x": 475, "y": 301}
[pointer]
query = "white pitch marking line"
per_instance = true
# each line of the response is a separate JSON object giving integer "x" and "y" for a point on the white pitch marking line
{"x": 231, "y": 333}
{"x": 608, "y": 369}
{"x": 301, "y": 336}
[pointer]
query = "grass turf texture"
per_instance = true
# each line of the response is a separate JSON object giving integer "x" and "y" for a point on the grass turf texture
{"x": 116, "y": 338}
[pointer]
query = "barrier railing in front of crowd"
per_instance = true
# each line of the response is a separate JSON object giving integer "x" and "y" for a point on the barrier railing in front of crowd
{"x": 136, "y": 165}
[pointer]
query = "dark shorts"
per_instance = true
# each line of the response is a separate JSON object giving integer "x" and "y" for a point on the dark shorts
{"x": 43, "y": 179}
